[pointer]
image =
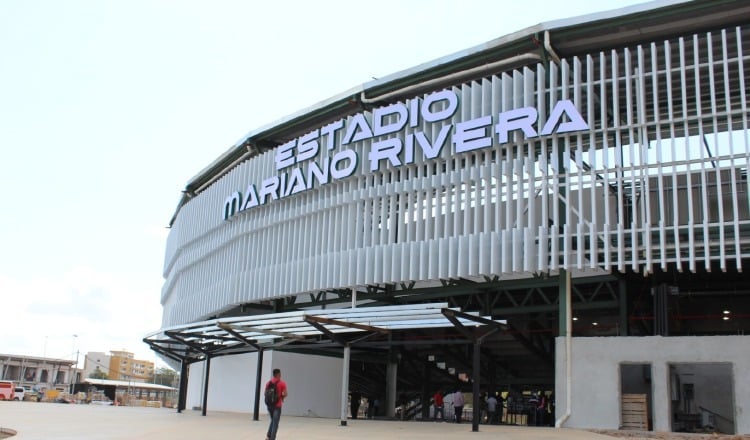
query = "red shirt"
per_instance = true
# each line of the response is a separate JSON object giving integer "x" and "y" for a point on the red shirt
{"x": 281, "y": 389}
{"x": 438, "y": 399}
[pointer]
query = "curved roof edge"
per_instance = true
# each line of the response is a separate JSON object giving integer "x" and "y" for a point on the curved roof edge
{"x": 570, "y": 36}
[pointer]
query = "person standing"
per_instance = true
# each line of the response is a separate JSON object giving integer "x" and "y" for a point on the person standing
{"x": 354, "y": 402}
{"x": 438, "y": 402}
{"x": 274, "y": 410}
{"x": 491, "y": 408}
{"x": 458, "y": 405}
{"x": 541, "y": 410}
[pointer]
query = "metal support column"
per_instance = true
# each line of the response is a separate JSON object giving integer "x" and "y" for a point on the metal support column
{"x": 258, "y": 379}
{"x": 475, "y": 387}
{"x": 623, "y": 293}
{"x": 390, "y": 388}
{"x": 205, "y": 385}
{"x": 182, "y": 397}
{"x": 492, "y": 385}
{"x": 661, "y": 310}
{"x": 426, "y": 388}
{"x": 345, "y": 383}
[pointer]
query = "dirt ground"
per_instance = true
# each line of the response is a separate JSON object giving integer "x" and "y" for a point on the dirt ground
{"x": 639, "y": 435}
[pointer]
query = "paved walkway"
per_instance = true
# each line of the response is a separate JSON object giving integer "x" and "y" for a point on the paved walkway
{"x": 36, "y": 421}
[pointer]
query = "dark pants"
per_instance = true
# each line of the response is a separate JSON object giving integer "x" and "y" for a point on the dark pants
{"x": 439, "y": 409}
{"x": 541, "y": 415}
{"x": 458, "y": 411}
{"x": 490, "y": 417}
{"x": 273, "y": 427}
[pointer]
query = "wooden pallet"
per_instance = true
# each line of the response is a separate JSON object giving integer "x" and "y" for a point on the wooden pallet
{"x": 634, "y": 413}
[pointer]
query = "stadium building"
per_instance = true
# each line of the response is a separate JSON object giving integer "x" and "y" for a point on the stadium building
{"x": 564, "y": 209}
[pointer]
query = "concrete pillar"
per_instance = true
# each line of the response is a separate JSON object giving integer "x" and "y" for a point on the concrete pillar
{"x": 391, "y": 376}
{"x": 660, "y": 398}
{"x": 345, "y": 383}
{"x": 564, "y": 400}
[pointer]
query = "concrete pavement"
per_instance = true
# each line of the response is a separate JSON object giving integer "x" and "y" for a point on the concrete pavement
{"x": 36, "y": 421}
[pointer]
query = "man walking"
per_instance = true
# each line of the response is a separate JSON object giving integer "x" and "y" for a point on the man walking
{"x": 274, "y": 408}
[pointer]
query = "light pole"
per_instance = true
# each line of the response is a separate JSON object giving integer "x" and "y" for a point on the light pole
{"x": 74, "y": 366}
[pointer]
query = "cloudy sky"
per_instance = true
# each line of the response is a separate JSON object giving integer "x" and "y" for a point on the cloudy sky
{"x": 108, "y": 108}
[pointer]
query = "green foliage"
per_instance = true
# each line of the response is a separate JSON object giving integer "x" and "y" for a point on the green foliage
{"x": 167, "y": 377}
{"x": 98, "y": 374}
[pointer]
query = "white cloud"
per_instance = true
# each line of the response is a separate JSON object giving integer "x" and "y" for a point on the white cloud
{"x": 106, "y": 311}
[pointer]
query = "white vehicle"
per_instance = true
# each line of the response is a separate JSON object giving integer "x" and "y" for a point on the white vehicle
{"x": 19, "y": 394}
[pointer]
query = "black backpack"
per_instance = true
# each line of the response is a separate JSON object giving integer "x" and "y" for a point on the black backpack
{"x": 272, "y": 393}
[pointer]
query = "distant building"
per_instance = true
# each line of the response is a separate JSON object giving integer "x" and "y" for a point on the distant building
{"x": 38, "y": 373}
{"x": 95, "y": 360}
{"x": 119, "y": 365}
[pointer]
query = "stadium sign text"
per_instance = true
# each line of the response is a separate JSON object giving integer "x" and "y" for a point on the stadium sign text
{"x": 331, "y": 144}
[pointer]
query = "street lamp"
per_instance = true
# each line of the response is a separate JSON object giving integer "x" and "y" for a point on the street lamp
{"x": 74, "y": 366}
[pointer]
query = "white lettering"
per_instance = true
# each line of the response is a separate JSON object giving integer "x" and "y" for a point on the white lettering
{"x": 296, "y": 183}
{"x": 269, "y": 187}
{"x": 398, "y": 109}
{"x": 330, "y": 132}
{"x": 387, "y": 149}
{"x": 414, "y": 112}
{"x": 308, "y": 146}
{"x": 284, "y": 155}
{"x": 444, "y": 95}
{"x": 443, "y": 105}
{"x": 347, "y": 171}
{"x": 564, "y": 107}
{"x": 518, "y": 119}
{"x": 320, "y": 174}
{"x": 251, "y": 197}
{"x": 470, "y": 135}
{"x": 432, "y": 151}
{"x": 232, "y": 204}
{"x": 357, "y": 129}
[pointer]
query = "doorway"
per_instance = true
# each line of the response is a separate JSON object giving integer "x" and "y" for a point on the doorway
{"x": 702, "y": 397}
{"x": 636, "y": 397}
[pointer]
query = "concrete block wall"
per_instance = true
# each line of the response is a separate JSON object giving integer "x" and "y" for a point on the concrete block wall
{"x": 596, "y": 375}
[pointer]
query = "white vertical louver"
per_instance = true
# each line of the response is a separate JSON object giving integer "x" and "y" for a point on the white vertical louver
{"x": 658, "y": 179}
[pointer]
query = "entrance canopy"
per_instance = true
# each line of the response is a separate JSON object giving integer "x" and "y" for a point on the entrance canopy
{"x": 202, "y": 341}
{"x": 234, "y": 335}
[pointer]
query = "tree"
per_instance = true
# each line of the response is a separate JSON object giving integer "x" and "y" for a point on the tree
{"x": 98, "y": 374}
{"x": 166, "y": 376}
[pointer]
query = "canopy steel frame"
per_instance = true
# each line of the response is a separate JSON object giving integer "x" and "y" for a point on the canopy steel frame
{"x": 245, "y": 334}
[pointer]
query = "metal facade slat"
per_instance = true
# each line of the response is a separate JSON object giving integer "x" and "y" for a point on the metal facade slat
{"x": 700, "y": 144}
{"x": 636, "y": 191}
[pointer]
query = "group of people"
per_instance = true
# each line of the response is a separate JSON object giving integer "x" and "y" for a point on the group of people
{"x": 537, "y": 407}
{"x": 539, "y": 403}
{"x": 457, "y": 400}
{"x": 371, "y": 409}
